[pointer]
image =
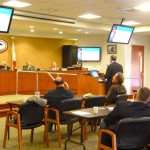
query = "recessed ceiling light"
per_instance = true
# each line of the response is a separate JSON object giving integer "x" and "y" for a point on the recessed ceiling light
{"x": 79, "y": 30}
{"x": 130, "y": 23}
{"x": 143, "y": 7}
{"x": 89, "y": 16}
{"x": 31, "y": 27}
{"x": 60, "y": 32}
{"x": 86, "y": 32}
{"x": 14, "y": 3}
{"x": 55, "y": 29}
{"x": 32, "y": 30}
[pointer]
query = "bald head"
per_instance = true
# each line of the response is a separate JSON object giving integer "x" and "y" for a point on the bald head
{"x": 54, "y": 64}
{"x": 28, "y": 63}
{"x": 4, "y": 63}
{"x": 59, "y": 81}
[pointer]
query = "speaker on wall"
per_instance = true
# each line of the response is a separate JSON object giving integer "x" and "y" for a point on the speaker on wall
{"x": 69, "y": 55}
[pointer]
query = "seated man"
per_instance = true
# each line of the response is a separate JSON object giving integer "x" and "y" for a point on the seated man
{"x": 117, "y": 88}
{"x": 28, "y": 67}
{"x": 4, "y": 66}
{"x": 54, "y": 66}
{"x": 123, "y": 109}
{"x": 55, "y": 96}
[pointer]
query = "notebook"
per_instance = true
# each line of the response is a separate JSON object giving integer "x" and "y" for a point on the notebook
{"x": 94, "y": 73}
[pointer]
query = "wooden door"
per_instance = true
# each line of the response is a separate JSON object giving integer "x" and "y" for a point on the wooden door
{"x": 137, "y": 66}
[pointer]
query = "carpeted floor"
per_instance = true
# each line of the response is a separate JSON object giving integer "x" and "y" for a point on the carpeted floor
{"x": 38, "y": 144}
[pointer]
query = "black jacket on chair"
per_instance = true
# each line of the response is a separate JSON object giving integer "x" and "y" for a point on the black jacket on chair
{"x": 28, "y": 118}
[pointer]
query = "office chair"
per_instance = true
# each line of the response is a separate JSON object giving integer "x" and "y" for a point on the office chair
{"x": 121, "y": 97}
{"x": 131, "y": 134}
{"x": 60, "y": 118}
{"x": 29, "y": 116}
{"x": 91, "y": 102}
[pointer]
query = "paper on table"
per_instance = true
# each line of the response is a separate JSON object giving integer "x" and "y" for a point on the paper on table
{"x": 110, "y": 108}
{"x": 80, "y": 112}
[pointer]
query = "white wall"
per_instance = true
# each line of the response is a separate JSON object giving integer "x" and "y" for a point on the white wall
{"x": 123, "y": 53}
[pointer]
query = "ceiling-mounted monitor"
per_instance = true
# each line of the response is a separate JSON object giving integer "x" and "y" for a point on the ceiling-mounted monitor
{"x": 6, "y": 14}
{"x": 120, "y": 34}
{"x": 89, "y": 54}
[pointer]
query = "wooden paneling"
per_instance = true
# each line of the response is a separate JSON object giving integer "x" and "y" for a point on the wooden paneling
{"x": 28, "y": 82}
{"x": 7, "y": 82}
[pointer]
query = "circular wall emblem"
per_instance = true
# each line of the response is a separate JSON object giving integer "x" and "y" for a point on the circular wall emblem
{"x": 3, "y": 45}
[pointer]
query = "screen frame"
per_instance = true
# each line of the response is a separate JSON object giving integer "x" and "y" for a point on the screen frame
{"x": 120, "y": 25}
{"x": 100, "y": 53}
{"x": 10, "y": 19}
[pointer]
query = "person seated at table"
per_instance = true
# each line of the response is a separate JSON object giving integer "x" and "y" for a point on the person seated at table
{"x": 4, "y": 66}
{"x": 54, "y": 66}
{"x": 28, "y": 66}
{"x": 55, "y": 96}
{"x": 116, "y": 88}
{"x": 123, "y": 109}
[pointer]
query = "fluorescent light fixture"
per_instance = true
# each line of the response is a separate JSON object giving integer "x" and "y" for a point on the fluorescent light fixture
{"x": 86, "y": 32}
{"x": 89, "y": 16}
{"x": 14, "y": 3}
{"x": 130, "y": 23}
{"x": 42, "y": 17}
{"x": 143, "y": 7}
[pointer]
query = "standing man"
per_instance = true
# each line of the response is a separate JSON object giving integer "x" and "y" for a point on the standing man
{"x": 112, "y": 69}
{"x": 54, "y": 97}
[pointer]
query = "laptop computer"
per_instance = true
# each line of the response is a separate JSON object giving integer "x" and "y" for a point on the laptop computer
{"x": 94, "y": 73}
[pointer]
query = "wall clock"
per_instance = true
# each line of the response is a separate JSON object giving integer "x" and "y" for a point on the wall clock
{"x": 3, "y": 45}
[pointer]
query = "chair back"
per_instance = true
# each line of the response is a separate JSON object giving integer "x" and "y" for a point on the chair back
{"x": 95, "y": 101}
{"x": 31, "y": 113}
{"x": 133, "y": 132}
{"x": 122, "y": 97}
{"x": 69, "y": 104}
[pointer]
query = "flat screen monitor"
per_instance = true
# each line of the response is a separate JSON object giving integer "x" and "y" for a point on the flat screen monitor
{"x": 89, "y": 54}
{"x": 120, "y": 34}
{"x": 6, "y": 14}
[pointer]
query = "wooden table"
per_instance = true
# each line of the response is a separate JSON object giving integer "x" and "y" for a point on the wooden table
{"x": 85, "y": 114}
{"x": 14, "y": 103}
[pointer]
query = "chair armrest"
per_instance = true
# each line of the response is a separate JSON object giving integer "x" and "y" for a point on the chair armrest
{"x": 113, "y": 139}
{"x": 13, "y": 117}
{"x": 56, "y": 111}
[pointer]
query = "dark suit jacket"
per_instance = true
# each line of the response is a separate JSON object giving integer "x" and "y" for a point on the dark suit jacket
{"x": 126, "y": 109}
{"x": 112, "y": 69}
{"x": 54, "y": 97}
{"x": 31, "y": 68}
